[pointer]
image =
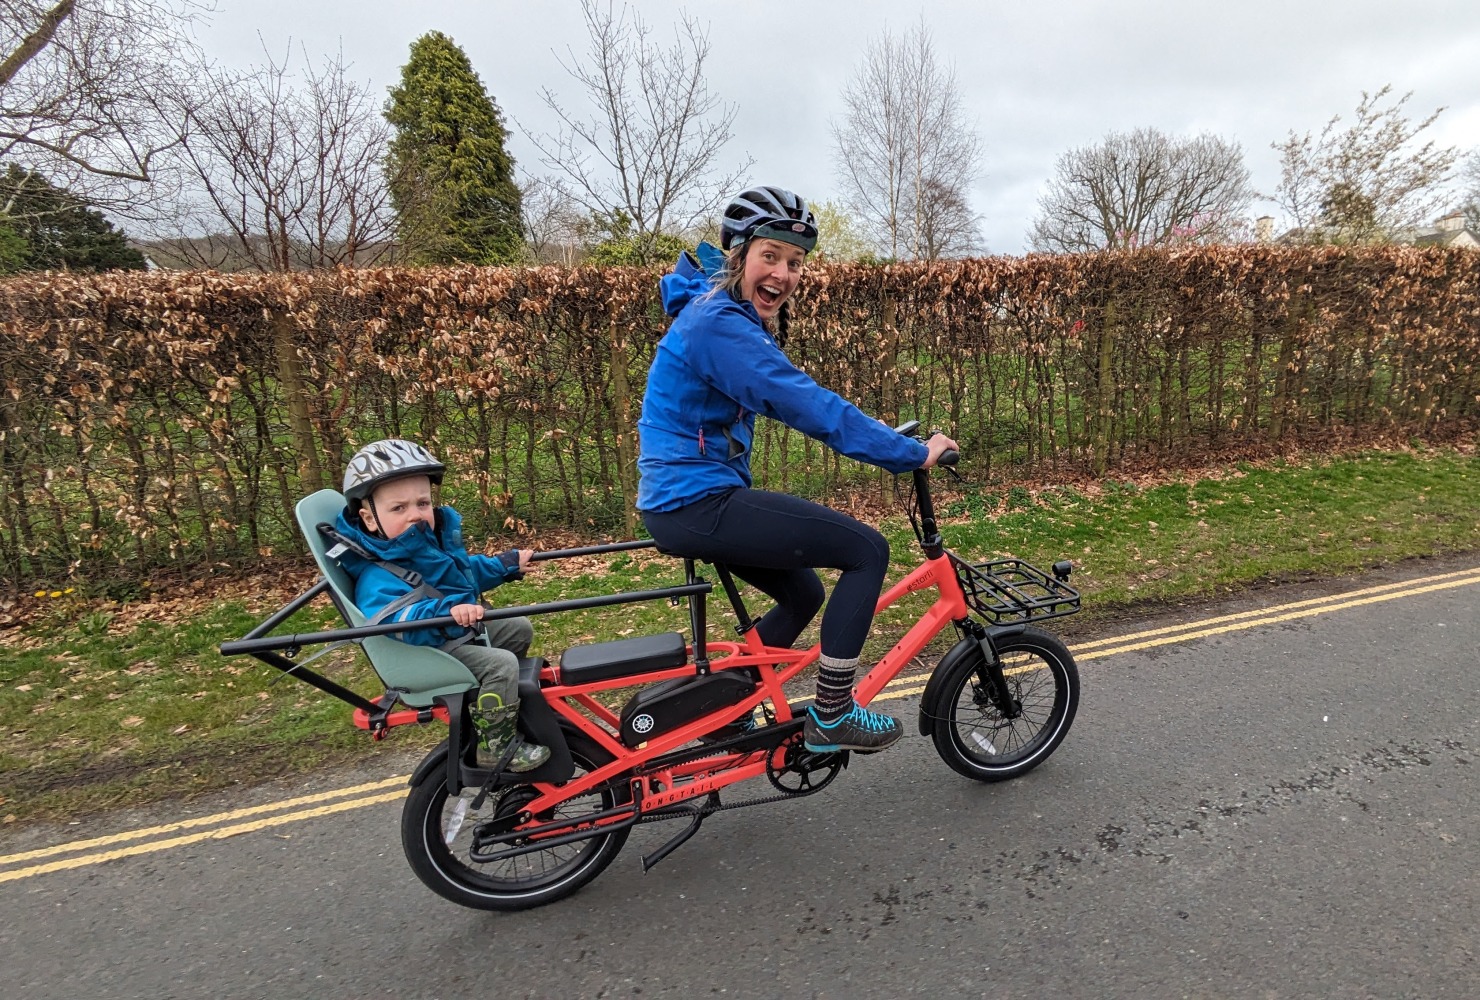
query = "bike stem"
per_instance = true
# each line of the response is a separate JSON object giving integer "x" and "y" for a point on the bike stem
{"x": 930, "y": 539}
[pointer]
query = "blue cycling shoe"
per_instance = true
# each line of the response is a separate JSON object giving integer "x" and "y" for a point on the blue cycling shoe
{"x": 857, "y": 729}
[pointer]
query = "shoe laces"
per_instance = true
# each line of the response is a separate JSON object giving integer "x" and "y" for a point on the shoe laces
{"x": 874, "y": 722}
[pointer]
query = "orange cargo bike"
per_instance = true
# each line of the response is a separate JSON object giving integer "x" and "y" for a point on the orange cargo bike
{"x": 703, "y": 716}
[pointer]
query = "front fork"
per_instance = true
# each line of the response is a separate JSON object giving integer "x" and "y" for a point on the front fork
{"x": 991, "y": 680}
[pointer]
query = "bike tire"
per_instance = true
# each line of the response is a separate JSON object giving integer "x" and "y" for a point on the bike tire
{"x": 970, "y": 733}
{"x": 519, "y": 883}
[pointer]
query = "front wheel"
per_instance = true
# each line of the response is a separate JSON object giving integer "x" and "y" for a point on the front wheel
{"x": 438, "y": 831}
{"x": 976, "y": 738}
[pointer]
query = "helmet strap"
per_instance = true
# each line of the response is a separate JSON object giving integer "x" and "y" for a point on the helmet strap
{"x": 378, "y": 532}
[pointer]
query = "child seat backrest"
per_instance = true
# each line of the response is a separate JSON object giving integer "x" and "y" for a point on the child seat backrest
{"x": 421, "y": 672}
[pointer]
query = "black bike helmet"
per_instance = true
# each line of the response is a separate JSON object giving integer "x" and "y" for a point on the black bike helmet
{"x": 771, "y": 213}
{"x": 382, "y": 461}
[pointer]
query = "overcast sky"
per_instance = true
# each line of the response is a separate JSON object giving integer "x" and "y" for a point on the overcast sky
{"x": 1039, "y": 77}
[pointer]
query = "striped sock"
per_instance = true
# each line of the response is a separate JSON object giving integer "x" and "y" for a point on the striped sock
{"x": 834, "y": 687}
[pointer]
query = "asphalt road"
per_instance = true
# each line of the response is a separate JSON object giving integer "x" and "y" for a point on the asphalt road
{"x": 1286, "y": 810}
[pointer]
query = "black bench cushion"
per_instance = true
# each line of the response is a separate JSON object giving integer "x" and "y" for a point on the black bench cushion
{"x": 604, "y": 660}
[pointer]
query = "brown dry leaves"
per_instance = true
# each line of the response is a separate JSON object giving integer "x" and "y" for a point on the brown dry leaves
{"x": 144, "y": 420}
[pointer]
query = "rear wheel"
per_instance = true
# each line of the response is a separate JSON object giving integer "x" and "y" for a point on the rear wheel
{"x": 438, "y": 833}
{"x": 976, "y": 738}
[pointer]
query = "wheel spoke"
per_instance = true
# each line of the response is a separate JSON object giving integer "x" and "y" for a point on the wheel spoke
{"x": 977, "y": 739}
{"x": 441, "y": 831}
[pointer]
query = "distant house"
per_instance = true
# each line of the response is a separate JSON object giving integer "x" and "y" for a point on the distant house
{"x": 1449, "y": 231}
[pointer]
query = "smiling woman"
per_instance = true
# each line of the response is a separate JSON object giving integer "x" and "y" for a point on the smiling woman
{"x": 719, "y": 365}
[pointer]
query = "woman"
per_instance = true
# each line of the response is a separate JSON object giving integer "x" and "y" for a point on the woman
{"x": 717, "y": 367}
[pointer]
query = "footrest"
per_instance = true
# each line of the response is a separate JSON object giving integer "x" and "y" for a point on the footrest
{"x": 602, "y": 661}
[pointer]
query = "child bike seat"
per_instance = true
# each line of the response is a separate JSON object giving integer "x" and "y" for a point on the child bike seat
{"x": 602, "y": 661}
{"x": 421, "y": 673}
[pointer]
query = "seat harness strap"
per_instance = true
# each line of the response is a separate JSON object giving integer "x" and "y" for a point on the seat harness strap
{"x": 421, "y": 590}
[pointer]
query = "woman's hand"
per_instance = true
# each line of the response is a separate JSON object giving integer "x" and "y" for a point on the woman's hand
{"x": 466, "y": 615}
{"x": 938, "y": 445}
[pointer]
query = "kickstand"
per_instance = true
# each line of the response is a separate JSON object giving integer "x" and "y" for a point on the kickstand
{"x": 711, "y": 804}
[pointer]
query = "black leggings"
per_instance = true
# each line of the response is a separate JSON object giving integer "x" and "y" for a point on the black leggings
{"x": 772, "y": 541}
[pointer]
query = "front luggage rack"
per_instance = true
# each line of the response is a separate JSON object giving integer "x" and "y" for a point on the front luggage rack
{"x": 1004, "y": 591}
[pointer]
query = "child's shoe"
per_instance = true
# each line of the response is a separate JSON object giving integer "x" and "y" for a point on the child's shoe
{"x": 497, "y": 728}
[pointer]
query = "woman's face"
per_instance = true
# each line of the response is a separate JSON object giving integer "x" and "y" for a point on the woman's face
{"x": 772, "y": 270}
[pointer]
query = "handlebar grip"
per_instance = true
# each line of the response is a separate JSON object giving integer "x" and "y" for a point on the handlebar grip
{"x": 948, "y": 457}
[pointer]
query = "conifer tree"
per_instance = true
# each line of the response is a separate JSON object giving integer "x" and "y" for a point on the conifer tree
{"x": 45, "y": 227}
{"x": 12, "y": 249}
{"x": 452, "y": 180}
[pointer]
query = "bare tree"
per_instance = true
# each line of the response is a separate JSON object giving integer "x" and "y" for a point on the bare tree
{"x": 284, "y": 177}
{"x": 1470, "y": 203}
{"x": 947, "y": 227}
{"x": 1143, "y": 188}
{"x": 553, "y": 222}
{"x": 80, "y": 82}
{"x": 904, "y": 141}
{"x": 1368, "y": 182}
{"x": 649, "y": 153}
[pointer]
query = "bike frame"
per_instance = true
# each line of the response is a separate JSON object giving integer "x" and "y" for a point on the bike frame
{"x": 658, "y": 783}
{"x": 775, "y": 667}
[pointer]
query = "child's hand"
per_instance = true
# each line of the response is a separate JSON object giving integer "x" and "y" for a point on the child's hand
{"x": 467, "y": 615}
{"x": 526, "y": 557}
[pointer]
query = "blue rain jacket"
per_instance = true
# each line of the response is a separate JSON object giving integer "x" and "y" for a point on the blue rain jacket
{"x": 441, "y": 559}
{"x": 715, "y": 369}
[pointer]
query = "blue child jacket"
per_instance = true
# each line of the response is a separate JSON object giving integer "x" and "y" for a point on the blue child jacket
{"x": 714, "y": 370}
{"x": 441, "y": 559}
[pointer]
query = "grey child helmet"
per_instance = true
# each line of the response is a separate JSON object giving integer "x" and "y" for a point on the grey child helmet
{"x": 381, "y": 461}
{"x": 769, "y": 213}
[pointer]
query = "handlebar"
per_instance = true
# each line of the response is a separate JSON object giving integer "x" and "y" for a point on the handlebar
{"x": 911, "y": 429}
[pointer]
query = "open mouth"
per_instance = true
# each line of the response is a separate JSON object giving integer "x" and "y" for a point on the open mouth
{"x": 767, "y": 295}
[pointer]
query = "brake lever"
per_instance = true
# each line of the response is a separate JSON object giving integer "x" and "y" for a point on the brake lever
{"x": 951, "y": 465}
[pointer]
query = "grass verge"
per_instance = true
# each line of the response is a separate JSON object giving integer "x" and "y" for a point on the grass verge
{"x": 104, "y": 704}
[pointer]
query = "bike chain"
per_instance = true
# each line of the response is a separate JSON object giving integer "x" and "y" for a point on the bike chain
{"x": 722, "y": 807}
{"x": 706, "y": 810}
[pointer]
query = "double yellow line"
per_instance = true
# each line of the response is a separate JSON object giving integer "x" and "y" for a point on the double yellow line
{"x": 81, "y": 853}
{"x": 354, "y": 797}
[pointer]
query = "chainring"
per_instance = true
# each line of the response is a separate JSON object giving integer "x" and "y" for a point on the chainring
{"x": 803, "y": 771}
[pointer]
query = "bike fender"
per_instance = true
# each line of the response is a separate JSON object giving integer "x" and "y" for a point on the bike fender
{"x": 430, "y": 763}
{"x": 967, "y": 647}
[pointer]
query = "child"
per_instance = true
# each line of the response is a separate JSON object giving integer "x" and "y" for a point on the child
{"x": 390, "y": 520}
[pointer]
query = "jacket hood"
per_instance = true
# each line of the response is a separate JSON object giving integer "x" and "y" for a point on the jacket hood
{"x": 401, "y": 550}
{"x": 690, "y": 278}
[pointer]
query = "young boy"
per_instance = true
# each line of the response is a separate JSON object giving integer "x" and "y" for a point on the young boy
{"x": 390, "y": 518}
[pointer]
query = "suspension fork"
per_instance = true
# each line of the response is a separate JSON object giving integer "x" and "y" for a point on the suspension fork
{"x": 991, "y": 679}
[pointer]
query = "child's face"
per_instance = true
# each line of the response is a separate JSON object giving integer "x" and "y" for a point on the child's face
{"x": 400, "y": 503}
